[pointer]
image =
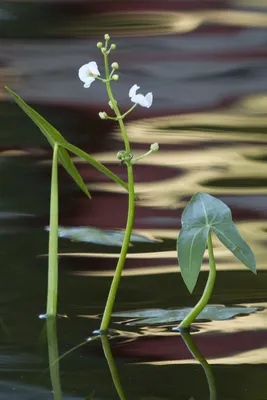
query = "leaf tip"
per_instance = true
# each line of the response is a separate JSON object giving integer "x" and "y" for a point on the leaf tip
{"x": 190, "y": 286}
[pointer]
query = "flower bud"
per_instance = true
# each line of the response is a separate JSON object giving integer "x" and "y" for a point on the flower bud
{"x": 113, "y": 46}
{"x": 99, "y": 45}
{"x": 103, "y": 115}
{"x": 115, "y": 77}
{"x": 121, "y": 154}
{"x": 103, "y": 49}
{"x": 154, "y": 147}
{"x": 111, "y": 105}
{"x": 115, "y": 65}
{"x": 106, "y": 36}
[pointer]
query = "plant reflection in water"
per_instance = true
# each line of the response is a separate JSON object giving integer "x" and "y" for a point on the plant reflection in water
{"x": 54, "y": 360}
{"x": 191, "y": 345}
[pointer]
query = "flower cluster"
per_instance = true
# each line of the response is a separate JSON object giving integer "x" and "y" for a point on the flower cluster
{"x": 88, "y": 73}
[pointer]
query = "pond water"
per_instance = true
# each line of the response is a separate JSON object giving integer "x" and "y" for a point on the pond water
{"x": 205, "y": 62}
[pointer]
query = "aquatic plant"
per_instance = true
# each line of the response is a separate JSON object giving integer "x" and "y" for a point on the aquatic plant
{"x": 88, "y": 73}
{"x": 203, "y": 216}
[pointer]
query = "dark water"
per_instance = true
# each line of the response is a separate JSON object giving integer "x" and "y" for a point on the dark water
{"x": 206, "y": 64}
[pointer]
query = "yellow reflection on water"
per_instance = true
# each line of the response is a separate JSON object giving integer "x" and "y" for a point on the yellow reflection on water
{"x": 160, "y": 22}
{"x": 244, "y": 120}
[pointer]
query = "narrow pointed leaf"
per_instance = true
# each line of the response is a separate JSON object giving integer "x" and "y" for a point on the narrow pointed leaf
{"x": 100, "y": 167}
{"x": 231, "y": 238}
{"x": 45, "y": 127}
{"x": 67, "y": 163}
{"x": 53, "y": 136}
{"x": 191, "y": 247}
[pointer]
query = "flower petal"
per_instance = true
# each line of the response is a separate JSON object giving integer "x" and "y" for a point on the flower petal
{"x": 93, "y": 68}
{"x": 139, "y": 99}
{"x": 83, "y": 73}
{"x": 149, "y": 99}
{"x": 133, "y": 90}
{"x": 88, "y": 82}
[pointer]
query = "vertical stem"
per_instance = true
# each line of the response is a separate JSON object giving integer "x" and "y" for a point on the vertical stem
{"x": 52, "y": 288}
{"x": 130, "y": 216}
{"x": 207, "y": 291}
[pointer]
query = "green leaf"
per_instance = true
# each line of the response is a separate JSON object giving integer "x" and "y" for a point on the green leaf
{"x": 99, "y": 236}
{"x": 160, "y": 316}
{"x": 53, "y": 136}
{"x": 100, "y": 167}
{"x": 67, "y": 163}
{"x": 47, "y": 129}
{"x": 205, "y": 213}
{"x": 231, "y": 238}
{"x": 191, "y": 248}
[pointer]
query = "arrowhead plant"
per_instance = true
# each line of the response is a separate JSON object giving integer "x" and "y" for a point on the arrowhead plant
{"x": 88, "y": 73}
{"x": 203, "y": 216}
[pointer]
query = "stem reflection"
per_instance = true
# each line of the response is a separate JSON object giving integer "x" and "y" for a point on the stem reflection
{"x": 191, "y": 345}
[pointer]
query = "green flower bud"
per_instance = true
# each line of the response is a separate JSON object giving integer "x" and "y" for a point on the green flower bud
{"x": 113, "y": 46}
{"x": 115, "y": 65}
{"x": 103, "y": 115}
{"x": 115, "y": 77}
{"x": 103, "y": 49}
{"x": 99, "y": 45}
{"x": 154, "y": 147}
{"x": 111, "y": 105}
{"x": 106, "y": 36}
{"x": 121, "y": 154}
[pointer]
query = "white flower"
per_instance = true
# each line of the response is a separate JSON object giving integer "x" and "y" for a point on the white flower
{"x": 87, "y": 73}
{"x": 144, "y": 101}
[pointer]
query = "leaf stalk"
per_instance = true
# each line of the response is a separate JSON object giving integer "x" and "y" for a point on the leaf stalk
{"x": 187, "y": 321}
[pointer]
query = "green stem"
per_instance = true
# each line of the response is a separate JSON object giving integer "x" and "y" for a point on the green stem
{"x": 202, "y": 360}
{"x": 51, "y": 305}
{"x": 207, "y": 291}
{"x": 140, "y": 158}
{"x": 130, "y": 110}
{"x": 112, "y": 367}
{"x": 130, "y": 216}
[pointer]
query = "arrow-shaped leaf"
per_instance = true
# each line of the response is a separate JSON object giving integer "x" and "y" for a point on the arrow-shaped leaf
{"x": 191, "y": 249}
{"x": 231, "y": 238}
{"x": 205, "y": 213}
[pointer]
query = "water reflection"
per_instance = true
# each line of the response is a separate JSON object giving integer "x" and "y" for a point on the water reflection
{"x": 106, "y": 345}
{"x": 53, "y": 357}
{"x": 189, "y": 341}
{"x": 112, "y": 367}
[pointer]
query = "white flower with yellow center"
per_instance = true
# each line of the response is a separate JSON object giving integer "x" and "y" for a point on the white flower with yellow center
{"x": 88, "y": 72}
{"x": 144, "y": 101}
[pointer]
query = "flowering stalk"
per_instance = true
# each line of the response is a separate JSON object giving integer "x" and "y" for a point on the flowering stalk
{"x": 88, "y": 73}
{"x": 130, "y": 216}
